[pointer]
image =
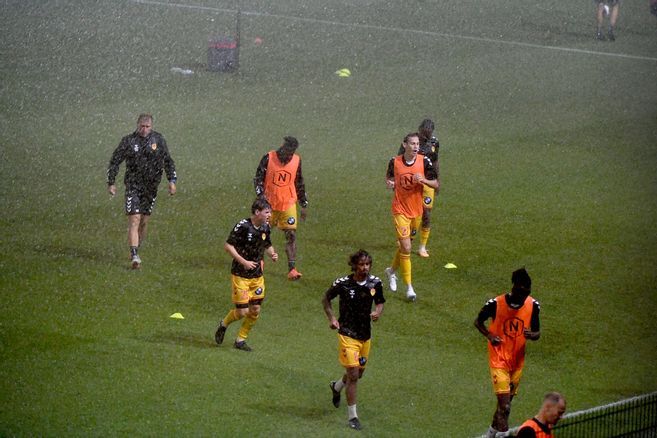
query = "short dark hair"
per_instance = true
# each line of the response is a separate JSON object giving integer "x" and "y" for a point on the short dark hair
{"x": 553, "y": 397}
{"x": 521, "y": 278}
{"x": 144, "y": 116}
{"x": 260, "y": 204}
{"x": 355, "y": 258}
{"x": 427, "y": 124}
{"x": 409, "y": 135}
{"x": 290, "y": 142}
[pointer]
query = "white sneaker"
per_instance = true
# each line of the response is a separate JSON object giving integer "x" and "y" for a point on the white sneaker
{"x": 136, "y": 262}
{"x": 410, "y": 294}
{"x": 392, "y": 279}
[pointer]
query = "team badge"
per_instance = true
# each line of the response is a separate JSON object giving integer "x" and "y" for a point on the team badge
{"x": 264, "y": 236}
{"x": 258, "y": 291}
{"x": 290, "y": 221}
{"x": 135, "y": 147}
{"x": 154, "y": 146}
{"x": 372, "y": 291}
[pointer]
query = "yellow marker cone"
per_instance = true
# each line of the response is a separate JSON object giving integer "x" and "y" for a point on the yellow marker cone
{"x": 177, "y": 315}
{"x": 450, "y": 266}
{"x": 343, "y": 73}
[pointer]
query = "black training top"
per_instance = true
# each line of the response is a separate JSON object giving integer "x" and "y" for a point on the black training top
{"x": 250, "y": 242}
{"x": 356, "y": 304}
{"x": 145, "y": 160}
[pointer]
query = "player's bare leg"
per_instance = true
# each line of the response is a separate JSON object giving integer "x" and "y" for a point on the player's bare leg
{"x": 134, "y": 224}
{"x": 291, "y": 252}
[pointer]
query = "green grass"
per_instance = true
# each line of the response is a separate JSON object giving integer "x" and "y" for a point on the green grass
{"x": 548, "y": 162}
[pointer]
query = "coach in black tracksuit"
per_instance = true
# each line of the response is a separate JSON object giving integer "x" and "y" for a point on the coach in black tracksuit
{"x": 147, "y": 156}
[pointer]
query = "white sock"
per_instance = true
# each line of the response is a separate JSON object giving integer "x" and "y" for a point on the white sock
{"x": 351, "y": 411}
{"x": 491, "y": 432}
{"x": 339, "y": 384}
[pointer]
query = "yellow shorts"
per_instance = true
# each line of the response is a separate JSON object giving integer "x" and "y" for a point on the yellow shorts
{"x": 284, "y": 220}
{"x": 352, "y": 352}
{"x": 428, "y": 194}
{"x": 406, "y": 228}
{"x": 504, "y": 381}
{"x": 246, "y": 290}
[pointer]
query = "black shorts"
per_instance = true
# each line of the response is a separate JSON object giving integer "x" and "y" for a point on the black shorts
{"x": 140, "y": 200}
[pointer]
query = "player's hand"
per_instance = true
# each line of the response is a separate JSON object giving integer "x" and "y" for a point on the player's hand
{"x": 274, "y": 256}
{"x": 249, "y": 265}
{"x": 111, "y": 189}
{"x": 531, "y": 335}
{"x": 418, "y": 178}
{"x": 494, "y": 339}
{"x": 334, "y": 324}
{"x": 390, "y": 183}
{"x": 172, "y": 188}
{"x": 375, "y": 316}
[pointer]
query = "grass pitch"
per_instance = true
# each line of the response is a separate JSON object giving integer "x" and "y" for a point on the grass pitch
{"x": 548, "y": 161}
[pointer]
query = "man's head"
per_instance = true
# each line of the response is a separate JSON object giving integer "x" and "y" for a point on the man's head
{"x": 411, "y": 145}
{"x": 144, "y": 124}
{"x": 522, "y": 283}
{"x": 360, "y": 263}
{"x": 260, "y": 211}
{"x": 553, "y": 408}
{"x": 287, "y": 149}
{"x": 426, "y": 129}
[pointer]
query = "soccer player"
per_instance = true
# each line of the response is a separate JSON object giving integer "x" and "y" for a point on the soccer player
{"x": 407, "y": 176}
{"x": 540, "y": 426}
{"x": 146, "y": 155}
{"x": 279, "y": 179}
{"x": 607, "y": 8}
{"x": 247, "y": 244}
{"x": 357, "y": 292}
{"x": 429, "y": 147}
{"x": 514, "y": 319}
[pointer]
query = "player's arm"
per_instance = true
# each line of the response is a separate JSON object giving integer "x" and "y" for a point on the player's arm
{"x": 169, "y": 166}
{"x": 378, "y": 301}
{"x": 526, "y": 432}
{"x": 378, "y": 310}
{"x": 271, "y": 252}
{"x": 430, "y": 177}
{"x": 390, "y": 174}
{"x": 248, "y": 264}
{"x": 534, "y": 332}
{"x": 300, "y": 186}
{"x": 117, "y": 158}
{"x": 488, "y": 311}
{"x": 328, "y": 309}
{"x": 259, "y": 179}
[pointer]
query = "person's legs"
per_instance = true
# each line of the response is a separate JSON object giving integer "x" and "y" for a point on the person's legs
{"x": 251, "y": 316}
{"x": 613, "y": 17}
{"x": 134, "y": 221}
{"x": 143, "y": 225}
{"x": 291, "y": 252}
{"x": 501, "y": 416}
{"x": 599, "y": 19}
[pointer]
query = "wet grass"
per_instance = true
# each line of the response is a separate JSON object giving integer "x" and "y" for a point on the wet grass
{"x": 548, "y": 161}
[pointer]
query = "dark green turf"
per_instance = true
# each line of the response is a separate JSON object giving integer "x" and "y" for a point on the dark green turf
{"x": 548, "y": 161}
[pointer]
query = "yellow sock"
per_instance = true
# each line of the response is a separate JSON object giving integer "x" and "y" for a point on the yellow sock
{"x": 424, "y": 236}
{"x": 247, "y": 324}
{"x": 405, "y": 267}
{"x": 230, "y": 318}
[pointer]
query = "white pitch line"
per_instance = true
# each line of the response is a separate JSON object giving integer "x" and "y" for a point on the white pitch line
{"x": 397, "y": 29}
